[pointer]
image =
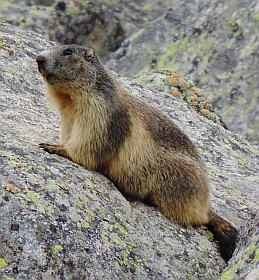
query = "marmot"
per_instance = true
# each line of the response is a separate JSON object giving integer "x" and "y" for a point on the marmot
{"x": 136, "y": 146}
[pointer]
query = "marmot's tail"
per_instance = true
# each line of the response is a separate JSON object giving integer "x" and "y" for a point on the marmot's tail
{"x": 224, "y": 233}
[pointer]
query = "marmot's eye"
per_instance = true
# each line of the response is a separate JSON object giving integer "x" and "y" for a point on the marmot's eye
{"x": 67, "y": 52}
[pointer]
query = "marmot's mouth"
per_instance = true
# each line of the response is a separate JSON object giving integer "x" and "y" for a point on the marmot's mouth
{"x": 50, "y": 78}
{"x": 43, "y": 73}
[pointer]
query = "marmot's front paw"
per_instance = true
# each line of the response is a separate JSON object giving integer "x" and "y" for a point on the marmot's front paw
{"x": 54, "y": 149}
{"x": 48, "y": 148}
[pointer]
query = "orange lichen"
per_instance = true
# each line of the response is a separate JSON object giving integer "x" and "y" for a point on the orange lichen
{"x": 174, "y": 81}
{"x": 175, "y": 93}
{"x": 11, "y": 188}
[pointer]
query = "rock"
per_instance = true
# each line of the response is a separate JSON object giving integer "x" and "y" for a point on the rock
{"x": 60, "y": 221}
{"x": 215, "y": 44}
{"x": 102, "y": 25}
{"x": 91, "y": 24}
{"x": 207, "y": 42}
{"x": 165, "y": 80}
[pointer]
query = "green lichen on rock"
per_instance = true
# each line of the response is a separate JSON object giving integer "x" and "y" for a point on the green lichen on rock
{"x": 8, "y": 278}
{"x": 246, "y": 257}
{"x": 138, "y": 33}
{"x": 170, "y": 54}
{"x": 256, "y": 17}
{"x": 6, "y": 4}
{"x": 56, "y": 249}
{"x": 110, "y": 2}
{"x": 2, "y": 42}
{"x": 3, "y": 263}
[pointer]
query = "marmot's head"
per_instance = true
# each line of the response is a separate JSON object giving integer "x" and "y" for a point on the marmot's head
{"x": 75, "y": 70}
{"x": 70, "y": 64}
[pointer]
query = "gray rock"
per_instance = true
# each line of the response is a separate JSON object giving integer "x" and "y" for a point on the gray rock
{"x": 60, "y": 221}
{"x": 213, "y": 43}
{"x": 94, "y": 24}
{"x": 102, "y": 25}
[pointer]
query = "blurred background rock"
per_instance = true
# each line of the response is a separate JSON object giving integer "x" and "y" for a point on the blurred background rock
{"x": 213, "y": 43}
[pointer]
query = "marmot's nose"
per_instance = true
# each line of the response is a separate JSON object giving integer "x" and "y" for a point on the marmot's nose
{"x": 40, "y": 59}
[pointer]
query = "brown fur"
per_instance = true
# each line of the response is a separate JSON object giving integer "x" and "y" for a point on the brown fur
{"x": 136, "y": 146}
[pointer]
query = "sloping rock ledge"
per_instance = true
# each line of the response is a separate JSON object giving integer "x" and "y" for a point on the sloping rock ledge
{"x": 60, "y": 221}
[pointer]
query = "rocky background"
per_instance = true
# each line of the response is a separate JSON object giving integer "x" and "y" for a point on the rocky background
{"x": 60, "y": 221}
{"x": 213, "y": 43}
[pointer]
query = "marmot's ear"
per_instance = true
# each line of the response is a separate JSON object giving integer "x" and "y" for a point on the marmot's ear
{"x": 89, "y": 54}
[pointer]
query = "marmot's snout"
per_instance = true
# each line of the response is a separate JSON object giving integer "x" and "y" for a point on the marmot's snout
{"x": 40, "y": 59}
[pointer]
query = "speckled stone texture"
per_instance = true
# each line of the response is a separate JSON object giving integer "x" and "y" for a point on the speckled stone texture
{"x": 60, "y": 221}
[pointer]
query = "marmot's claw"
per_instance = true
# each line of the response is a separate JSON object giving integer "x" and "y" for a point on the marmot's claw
{"x": 42, "y": 145}
{"x": 47, "y": 148}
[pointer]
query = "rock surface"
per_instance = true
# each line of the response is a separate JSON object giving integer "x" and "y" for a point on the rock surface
{"x": 60, "y": 221}
{"x": 102, "y": 25}
{"x": 213, "y": 43}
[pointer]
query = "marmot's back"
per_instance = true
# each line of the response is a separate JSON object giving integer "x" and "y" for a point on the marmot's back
{"x": 137, "y": 147}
